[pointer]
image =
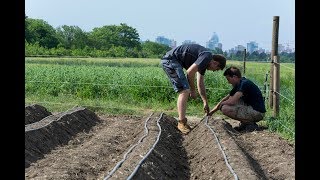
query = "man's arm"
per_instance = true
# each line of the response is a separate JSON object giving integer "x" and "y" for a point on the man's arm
{"x": 232, "y": 100}
{"x": 202, "y": 92}
{"x": 191, "y": 71}
{"x": 218, "y": 106}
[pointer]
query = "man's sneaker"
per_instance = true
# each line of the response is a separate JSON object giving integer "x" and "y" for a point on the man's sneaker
{"x": 241, "y": 127}
{"x": 183, "y": 126}
{"x": 247, "y": 126}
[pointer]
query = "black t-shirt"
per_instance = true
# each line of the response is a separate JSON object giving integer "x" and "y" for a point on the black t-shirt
{"x": 187, "y": 54}
{"x": 251, "y": 94}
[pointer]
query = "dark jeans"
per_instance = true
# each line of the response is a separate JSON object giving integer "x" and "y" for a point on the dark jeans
{"x": 175, "y": 73}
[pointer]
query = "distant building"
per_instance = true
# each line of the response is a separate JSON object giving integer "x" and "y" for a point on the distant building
{"x": 213, "y": 42}
{"x": 235, "y": 49}
{"x": 169, "y": 42}
{"x": 239, "y": 48}
{"x": 252, "y": 46}
{"x": 188, "y": 42}
{"x": 287, "y": 49}
{"x": 231, "y": 51}
{"x": 260, "y": 50}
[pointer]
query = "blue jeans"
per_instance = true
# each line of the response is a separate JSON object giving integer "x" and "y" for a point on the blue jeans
{"x": 175, "y": 73}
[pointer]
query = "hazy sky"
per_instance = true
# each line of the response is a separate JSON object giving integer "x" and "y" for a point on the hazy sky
{"x": 235, "y": 22}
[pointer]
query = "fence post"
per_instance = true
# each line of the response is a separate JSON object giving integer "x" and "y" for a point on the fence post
{"x": 276, "y": 86}
{"x": 265, "y": 88}
{"x": 274, "y": 52}
{"x": 244, "y": 61}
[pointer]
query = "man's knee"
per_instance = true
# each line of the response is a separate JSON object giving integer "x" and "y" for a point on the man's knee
{"x": 258, "y": 117}
{"x": 184, "y": 91}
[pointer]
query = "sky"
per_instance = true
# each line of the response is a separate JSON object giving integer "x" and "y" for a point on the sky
{"x": 235, "y": 22}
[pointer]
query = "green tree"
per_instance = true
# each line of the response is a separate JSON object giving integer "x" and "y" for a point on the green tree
{"x": 254, "y": 56}
{"x": 238, "y": 56}
{"x": 114, "y": 36}
{"x": 217, "y": 51}
{"x": 72, "y": 37}
{"x": 263, "y": 56}
{"x": 37, "y": 30}
{"x": 128, "y": 36}
{"x": 154, "y": 50}
{"x": 286, "y": 57}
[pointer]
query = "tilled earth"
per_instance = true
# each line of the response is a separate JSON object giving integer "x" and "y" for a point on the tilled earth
{"x": 79, "y": 144}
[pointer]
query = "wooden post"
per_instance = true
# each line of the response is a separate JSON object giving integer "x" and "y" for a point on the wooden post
{"x": 276, "y": 86}
{"x": 274, "y": 52}
{"x": 244, "y": 61}
{"x": 265, "y": 88}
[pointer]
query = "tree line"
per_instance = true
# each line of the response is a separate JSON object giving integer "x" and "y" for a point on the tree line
{"x": 41, "y": 39}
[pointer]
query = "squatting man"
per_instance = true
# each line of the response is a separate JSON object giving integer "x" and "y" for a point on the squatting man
{"x": 244, "y": 102}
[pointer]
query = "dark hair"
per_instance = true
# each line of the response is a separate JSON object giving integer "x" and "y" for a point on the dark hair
{"x": 221, "y": 59}
{"x": 232, "y": 71}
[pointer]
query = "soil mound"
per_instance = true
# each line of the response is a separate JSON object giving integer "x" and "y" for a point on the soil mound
{"x": 160, "y": 154}
{"x": 78, "y": 144}
{"x": 54, "y": 130}
{"x": 34, "y": 113}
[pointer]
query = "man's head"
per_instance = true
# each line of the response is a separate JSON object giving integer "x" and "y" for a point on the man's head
{"x": 221, "y": 59}
{"x": 233, "y": 75}
{"x": 218, "y": 62}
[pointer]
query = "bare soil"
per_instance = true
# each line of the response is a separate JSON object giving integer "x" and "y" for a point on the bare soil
{"x": 79, "y": 144}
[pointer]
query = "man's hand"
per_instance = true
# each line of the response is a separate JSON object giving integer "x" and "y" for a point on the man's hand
{"x": 193, "y": 95}
{"x": 210, "y": 113}
{"x": 206, "y": 108}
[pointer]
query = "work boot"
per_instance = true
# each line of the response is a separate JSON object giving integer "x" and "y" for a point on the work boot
{"x": 247, "y": 126}
{"x": 183, "y": 126}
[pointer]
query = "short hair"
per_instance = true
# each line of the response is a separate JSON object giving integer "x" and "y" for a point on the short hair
{"x": 221, "y": 59}
{"x": 232, "y": 71}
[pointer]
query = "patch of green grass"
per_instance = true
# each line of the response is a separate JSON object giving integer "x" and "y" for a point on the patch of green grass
{"x": 137, "y": 86}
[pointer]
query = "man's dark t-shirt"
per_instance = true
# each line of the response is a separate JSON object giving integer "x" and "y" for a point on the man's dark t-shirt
{"x": 251, "y": 94}
{"x": 187, "y": 54}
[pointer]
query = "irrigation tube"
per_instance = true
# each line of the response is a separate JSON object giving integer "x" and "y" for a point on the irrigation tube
{"x": 137, "y": 167}
{"x": 27, "y": 127}
{"x": 125, "y": 155}
{"x": 224, "y": 155}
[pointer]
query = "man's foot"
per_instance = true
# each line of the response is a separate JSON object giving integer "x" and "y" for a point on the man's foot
{"x": 187, "y": 125}
{"x": 183, "y": 126}
{"x": 247, "y": 126}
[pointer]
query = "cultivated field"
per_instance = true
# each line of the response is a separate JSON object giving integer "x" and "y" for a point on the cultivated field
{"x": 79, "y": 144}
{"x": 138, "y": 86}
{"x": 89, "y": 118}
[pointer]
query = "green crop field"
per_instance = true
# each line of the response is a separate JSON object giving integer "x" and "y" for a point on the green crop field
{"x": 138, "y": 86}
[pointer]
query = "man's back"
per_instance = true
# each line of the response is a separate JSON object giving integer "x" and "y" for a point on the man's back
{"x": 252, "y": 95}
{"x": 187, "y": 54}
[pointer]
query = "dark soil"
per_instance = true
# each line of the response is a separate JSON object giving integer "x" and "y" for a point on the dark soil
{"x": 34, "y": 113}
{"x": 78, "y": 144}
